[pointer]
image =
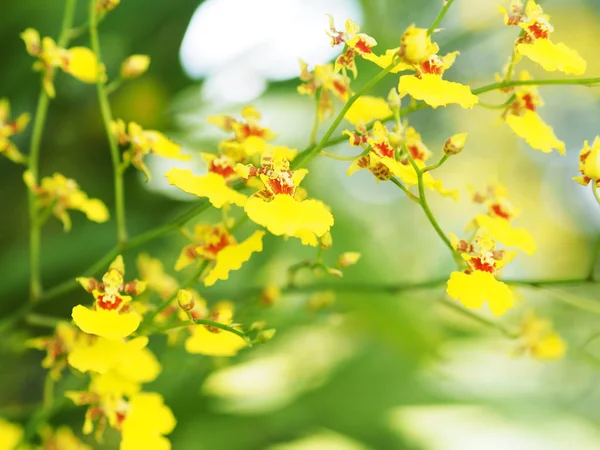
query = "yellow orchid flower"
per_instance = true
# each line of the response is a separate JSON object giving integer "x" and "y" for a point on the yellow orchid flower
{"x": 212, "y": 341}
{"x": 216, "y": 243}
{"x": 540, "y": 340}
{"x": 356, "y": 44}
{"x": 10, "y": 435}
{"x": 280, "y": 206}
{"x": 497, "y": 223}
{"x": 59, "y": 194}
{"x": 478, "y": 284}
{"x": 326, "y": 81}
{"x": 110, "y": 316}
{"x": 522, "y": 118}
{"x": 9, "y": 128}
{"x": 79, "y": 62}
{"x": 589, "y": 163}
{"x": 138, "y": 143}
{"x": 536, "y": 44}
{"x": 56, "y": 347}
{"x": 146, "y": 422}
{"x": 367, "y": 108}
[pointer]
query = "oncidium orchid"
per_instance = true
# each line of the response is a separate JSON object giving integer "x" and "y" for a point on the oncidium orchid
{"x": 535, "y": 42}
{"x": 478, "y": 283}
{"x": 80, "y": 62}
{"x": 111, "y": 315}
{"x": 57, "y": 194}
{"x": 9, "y": 128}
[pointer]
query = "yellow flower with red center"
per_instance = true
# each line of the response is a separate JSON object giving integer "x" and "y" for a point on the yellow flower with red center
{"x": 323, "y": 82}
{"x": 367, "y": 108}
{"x": 497, "y": 222}
{"x": 216, "y": 244}
{"x": 428, "y": 85}
{"x": 589, "y": 163}
{"x": 138, "y": 143}
{"x": 382, "y": 162}
{"x": 57, "y": 194}
{"x": 248, "y": 127}
{"x": 57, "y": 347}
{"x": 80, "y": 62}
{"x": 211, "y": 341}
{"x": 9, "y": 128}
{"x": 147, "y": 420}
{"x": 111, "y": 316}
{"x": 536, "y": 44}
{"x": 540, "y": 340}
{"x": 478, "y": 284}
{"x": 522, "y": 118}
{"x": 280, "y": 205}
{"x": 356, "y": 44}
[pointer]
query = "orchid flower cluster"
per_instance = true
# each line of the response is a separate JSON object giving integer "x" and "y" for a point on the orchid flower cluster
{"x": 106, "y": 339}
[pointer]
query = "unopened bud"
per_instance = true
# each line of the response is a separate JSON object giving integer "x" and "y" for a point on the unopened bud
{"x": 106, "y": 5}
{"x": 270, "y": 295}
{"x": 266, "y": 335}
{"x": 185, "y": 299}
{"x": 454, "y": 144}
{"x": 326, "y": 241}
{"x": 258, "y": 326}
{"x": 348, "y": 259}
{"x": 394, "y": 100}
{"x": 134, "y": 66}
{"x": 335, "y": 272}
{"x": 320, "y": 300}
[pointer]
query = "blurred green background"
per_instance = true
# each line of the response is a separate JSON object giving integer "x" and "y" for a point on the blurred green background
{"x": 373, "y": 371}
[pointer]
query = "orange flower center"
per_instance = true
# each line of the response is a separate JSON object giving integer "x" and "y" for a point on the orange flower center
{"x": 362, "y": 46}
{"x": 539, "y": 31}
{"x": 499, "y": 211}
{"x": 109, "y": 305}
{"x": 478, "y": 263}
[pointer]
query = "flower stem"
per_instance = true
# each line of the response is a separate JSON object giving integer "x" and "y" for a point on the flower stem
{"x": 439, "y": 17}
{"x": 437, "y": 164}
{"x": 308, "y": 154}
{"x": 221, "y": 326}
{"x": 112, "y": 141}
{"x": 315, "y": 127}
{"x": 35, "y": 233}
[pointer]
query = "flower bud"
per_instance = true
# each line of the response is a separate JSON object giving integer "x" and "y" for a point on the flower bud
{"x": 106, "y": 5}
{"x": 590, "y": 160}
{"x": 416, "y": 46}
{"x": 134, "y": 66}
{"x": 335, "y": 272}
{"x": 185, "y": 299}
{"x": 348, "y": 259}
{"x": 266, "y": 335}
{"x": 326, "y": 241}
{"x": 394, "y": 100}
{"x": 454, "y": 144}
{"x": 270, "y": 295}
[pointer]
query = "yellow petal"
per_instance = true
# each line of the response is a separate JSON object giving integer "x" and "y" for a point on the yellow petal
{"x": 83, "y": 64}
{"x": 366, "y": 109}
{"x": 10, "y": 435}
{"x": 284, "y": 216}
{"x": 550, "y": 347}
{"x": 211, "y": 185}
{"x": 233, "y": 256}
{"x": 95, "y": 210}
{"x": 165, "y": 147}
{"x": 213, "y": 343}
{"x": 384, "y": 61}
{"x": 554, "y": 56}
{"x": 478, "y": 287}
{"x": 435, "y": 91}
{"x": 147, "y": 419}
{"x": 536, "y": 133}
{"x": 501, "y": 230}
{"x": 108, "y": 324}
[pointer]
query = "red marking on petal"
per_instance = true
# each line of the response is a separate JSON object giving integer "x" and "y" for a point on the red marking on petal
{"x": 478, "y": 264}
{"x": 221, "y": 169}
{"x": 223, "y": 241}
{"x": 432, "y": 66}
{"x": 500, "y": 212}
{"x": 339, "y": 87}
{"x": 538, "y": 31}
{"x": 415, "y": 152}
{"x": 120, "y": 417}
{"x": 384, "y": 149}
{"x": 362, "y": 47}
{"x": 108, "y": 305}
{"x": 528, "y": 99}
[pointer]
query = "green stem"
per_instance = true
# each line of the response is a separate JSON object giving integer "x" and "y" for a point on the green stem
{"x": 35, "y": 238}
{"x": 427, "y": 210}
{"x": 439, "y": 17}
{"x": 43, "y": 320}
{"x": 315, "y": 127}
{"x": 165, "y": 304}
{"x": 480, "y": 319}
{"x": 339, "y": 158}
{"x": 307, "y": 155}
{"x": 437, "y": 164}
{"x": 112, "y": 141}
{"x": 175, "y": 326}
{"x": 405, "y": 189}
